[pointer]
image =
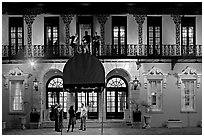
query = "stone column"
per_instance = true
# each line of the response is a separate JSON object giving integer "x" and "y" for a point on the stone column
{"x": 177, "y": 21}
{"x": 67, "y": 20}
{"x": 102, "y": 18}
{"x": 140, "y": 20}
{"x": 29, "y": 19}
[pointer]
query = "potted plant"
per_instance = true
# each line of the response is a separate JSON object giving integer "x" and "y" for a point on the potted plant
{"x": 34, "y": 118}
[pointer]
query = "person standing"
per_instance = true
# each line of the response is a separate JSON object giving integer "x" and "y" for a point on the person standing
{"x": 72, "y": 118}
{"x": 56, "y": 116}
{"x": 86, "y": 41}
{"x": 60, "y": 117}
{"x": 96, "y": 44}
{"x": 83, "y": 116}
{"x": 74, "y": 42}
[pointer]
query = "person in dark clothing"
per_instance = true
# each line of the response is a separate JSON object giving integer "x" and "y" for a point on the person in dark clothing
{"x": 56, "y": 116}
{"x": 60, "y": 117}
{"x": 96, "y": 44}
{"x": 72, "y": 118}
{"x": 86, "y": 41}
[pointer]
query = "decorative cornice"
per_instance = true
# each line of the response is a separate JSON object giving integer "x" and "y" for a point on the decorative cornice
{"x": 102, "y": 18}
{"x": 67, "y": 18}
{"x": 189, "y": 73}
{"x": 29, "y": 19}
{"x": 155, "y": 73}
{"x": 16, "y": 74}
{"x": 176, "y": 18}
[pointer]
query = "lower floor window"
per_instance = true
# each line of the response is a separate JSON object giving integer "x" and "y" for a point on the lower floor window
{"x": 188, "y": 95}
{"x": 16, "y": 96}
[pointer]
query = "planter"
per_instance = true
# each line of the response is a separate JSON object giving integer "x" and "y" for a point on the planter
{"x": 34, "y": 125}
{"x": 147, "y": 121}
{"x": 3, "y": 125}
{"x": 174, "y": 124}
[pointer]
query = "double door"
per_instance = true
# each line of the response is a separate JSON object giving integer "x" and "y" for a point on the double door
{"x": 90, "y": 99}
{"x": 116, "y": 104}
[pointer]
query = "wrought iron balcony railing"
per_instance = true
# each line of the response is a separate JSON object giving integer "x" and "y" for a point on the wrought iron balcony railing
{"x": 107, "y": 51}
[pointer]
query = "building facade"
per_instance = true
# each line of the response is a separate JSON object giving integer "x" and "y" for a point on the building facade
{"x": 149, "y": 55}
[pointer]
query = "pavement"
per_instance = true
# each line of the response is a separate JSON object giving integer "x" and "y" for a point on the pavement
{"x": 107, "y": 131}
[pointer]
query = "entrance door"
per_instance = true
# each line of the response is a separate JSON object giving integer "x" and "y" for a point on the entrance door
{"x": 116, "y": 98}
{"x": 55, "y": 95}
{"x": 90, "y": 99}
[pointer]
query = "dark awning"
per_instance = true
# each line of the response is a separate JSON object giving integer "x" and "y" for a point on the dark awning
{"x": 83, "y": 70}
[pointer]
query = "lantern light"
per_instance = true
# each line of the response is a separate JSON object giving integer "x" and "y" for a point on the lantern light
{"x": 35, "y": 84}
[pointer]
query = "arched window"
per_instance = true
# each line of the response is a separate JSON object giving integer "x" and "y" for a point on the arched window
{"x": 56, "y": 83}
{"x": 116, "y": 97}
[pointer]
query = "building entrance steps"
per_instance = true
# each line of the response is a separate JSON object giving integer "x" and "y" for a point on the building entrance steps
{"x": 90, "y": 123}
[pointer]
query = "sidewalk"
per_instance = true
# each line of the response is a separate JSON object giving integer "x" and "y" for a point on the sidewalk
{"x": 107, "y": 131}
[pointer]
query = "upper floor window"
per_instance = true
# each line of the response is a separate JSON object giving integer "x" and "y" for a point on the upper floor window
{"x": 154, "y": 37}
{"x": 188, "y": 35}
{"x": 52, "y": 34}
{"x": 16, "y": 35}
{"x": 119, "y": 34}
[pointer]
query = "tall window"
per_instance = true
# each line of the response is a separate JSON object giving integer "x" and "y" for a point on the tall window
{"x": 16, "y": 96}
{"x": 154, "y": 94}
{"x": 154, "y": 36}
{"x": 16, "y": 36}
{"x": 52, "y": 34}
{"x": 188, "y": 95}
{"x": 116, "y": 97}
{"x": 188, "y": 35}
{"x": 119, "y": 35}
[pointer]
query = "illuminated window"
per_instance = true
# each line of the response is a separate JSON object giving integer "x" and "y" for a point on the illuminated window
{"x": 16, "y": 96}
{"x": 188, "y": 95}
{"x": 188, "y": 35}
{"x": 155, "y": 94}
{"x": 16, "y": 35}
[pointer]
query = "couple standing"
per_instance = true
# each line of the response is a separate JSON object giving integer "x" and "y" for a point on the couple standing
{"x": 72, "y": 117}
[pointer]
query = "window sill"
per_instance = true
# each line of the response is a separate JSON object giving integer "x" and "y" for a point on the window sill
{"x": 156, "y": 112}
{"x": 16, "y": 113}
{"x": 183, "y": 111}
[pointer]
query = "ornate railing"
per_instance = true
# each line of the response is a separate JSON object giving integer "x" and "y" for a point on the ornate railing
{"x": 130, "y": 50}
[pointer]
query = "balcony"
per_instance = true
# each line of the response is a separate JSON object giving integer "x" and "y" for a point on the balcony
{"x": 130, "y": 51}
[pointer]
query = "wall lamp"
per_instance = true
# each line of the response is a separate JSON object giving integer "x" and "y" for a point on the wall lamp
{"x": 135, "y": 83}
{"x": 35, "y": 84}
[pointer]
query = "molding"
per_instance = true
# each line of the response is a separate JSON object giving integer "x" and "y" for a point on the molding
{"x": 156, "y": 74}
{"x": 16, "y": 74}
{"x": 189, "y": 73}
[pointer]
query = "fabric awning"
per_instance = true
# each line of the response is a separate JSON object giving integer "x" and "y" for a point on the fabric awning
{"x": 83, "y": 70}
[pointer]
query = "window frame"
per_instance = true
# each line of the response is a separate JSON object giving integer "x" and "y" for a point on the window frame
{"x": 154, "y": 21}
{"x": 16, "y": 22}
{"x": 158, "y": 107}
{"x": 184, "y": 108}
{"x": 188, "y": 22}
{"x": 11, "y": 111}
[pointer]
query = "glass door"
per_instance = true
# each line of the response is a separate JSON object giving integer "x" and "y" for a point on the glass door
{"x": 90, "y": 99}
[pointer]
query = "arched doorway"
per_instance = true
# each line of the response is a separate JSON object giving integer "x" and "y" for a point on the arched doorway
{"x": 116, "y": 97}
{"x": 54, "y": 95}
